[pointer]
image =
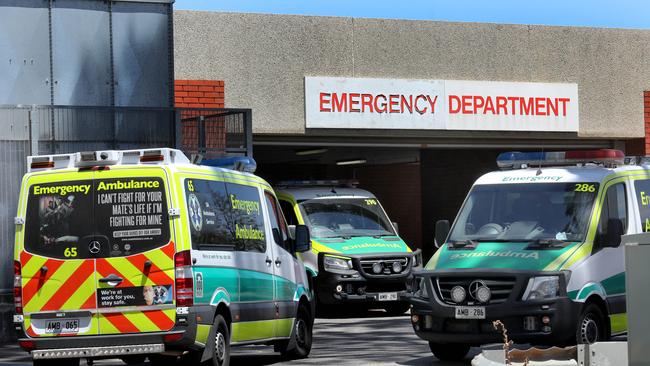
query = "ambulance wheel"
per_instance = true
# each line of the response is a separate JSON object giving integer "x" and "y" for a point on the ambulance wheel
{"x": 449, "y": 352}
{"x": 302, "y": 336}
{"x": 591, "y": 325}
{"x": 221, "y": 355}
{"x": 397, "y": 308}
{"x": 57, "y": 362}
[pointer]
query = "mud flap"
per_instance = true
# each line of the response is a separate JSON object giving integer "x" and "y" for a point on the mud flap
{"x": 208, "y": 351}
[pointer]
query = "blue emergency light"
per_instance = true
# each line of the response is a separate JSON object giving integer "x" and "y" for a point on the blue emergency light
{"x": 517, "y": 160}
{"x": 239, "y": 163}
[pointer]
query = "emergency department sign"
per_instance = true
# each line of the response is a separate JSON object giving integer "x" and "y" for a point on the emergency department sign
{"x": 364, "y": 103}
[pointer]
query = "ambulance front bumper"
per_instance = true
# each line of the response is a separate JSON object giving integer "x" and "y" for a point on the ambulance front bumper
{"x": 359, "y": 285}
{"x": 435, "y": 320}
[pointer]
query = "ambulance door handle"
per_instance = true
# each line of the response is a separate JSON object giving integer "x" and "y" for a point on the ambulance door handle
{"x": 111, "y": 279}
{"x": 268, "y": 262}
{"x": 278, "y": 262}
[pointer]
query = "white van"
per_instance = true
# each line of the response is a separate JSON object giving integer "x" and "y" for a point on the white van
{"x": 140, "y": 253}
{"x": 536, "y": 246}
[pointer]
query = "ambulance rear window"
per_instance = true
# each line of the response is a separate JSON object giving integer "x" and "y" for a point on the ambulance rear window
{"x": 96, "y": 218}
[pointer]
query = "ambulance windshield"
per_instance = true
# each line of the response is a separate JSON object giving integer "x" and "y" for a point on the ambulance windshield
{"x": 96, "y": 218}
{"x": 345, "y": 217}
{"x": 526, "y": 212}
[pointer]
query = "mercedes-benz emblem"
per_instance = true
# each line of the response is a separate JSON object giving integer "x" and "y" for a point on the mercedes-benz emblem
{"x": 94, "y": 247}
{"x": 479, "y": 291}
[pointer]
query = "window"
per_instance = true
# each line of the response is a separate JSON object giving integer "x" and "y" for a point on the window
{"x": 125, "y": 216}
{"x": 614, "y": 207}
{"x": 289, "y": 213}
{"x": 278, "y": 225}
{"x": 642, "y": 188}
{"x": 225, "y": 216}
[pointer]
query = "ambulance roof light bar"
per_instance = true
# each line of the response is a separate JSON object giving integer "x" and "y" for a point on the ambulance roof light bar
{"x": 239, "y": 163}
{"x": 352, "y": 183}
{"x": 104, "y": 158}
{"x": 520, "y": 160}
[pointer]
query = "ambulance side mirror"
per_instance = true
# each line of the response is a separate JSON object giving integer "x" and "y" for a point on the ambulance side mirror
{"x": 614, "y": 232}
{"x": 442, "y": 231}
{"x": 303, "y": 240}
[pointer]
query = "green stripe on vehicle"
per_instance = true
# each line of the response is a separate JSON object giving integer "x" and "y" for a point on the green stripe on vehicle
{"x": 262, "y": 329}
{"x": 618, "y": 322}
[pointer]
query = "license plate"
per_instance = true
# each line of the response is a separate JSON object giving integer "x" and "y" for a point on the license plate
{"x": 63, "y": 326}
{"x": 466, "y": 312}
{"x": 387, "y": 296}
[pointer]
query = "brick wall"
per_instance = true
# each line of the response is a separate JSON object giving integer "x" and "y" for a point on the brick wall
{"x": 199, "y": 93}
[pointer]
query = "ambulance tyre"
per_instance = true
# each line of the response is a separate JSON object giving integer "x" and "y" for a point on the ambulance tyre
{"x": 221, "y": 355}
{"x": 302, "y": 337}
{"x": 397, "y": 308}
{"x": 449, "y": 352}
{"x": 591, "y": 325}
{"x": 57, "y": 362}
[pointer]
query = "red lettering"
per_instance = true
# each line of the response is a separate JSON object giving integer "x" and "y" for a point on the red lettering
{"x": 539, "y": 107}
{"x": 432, "y": 103}
{"x": 354, "y": 102}
{"x": 467, "y": 104}
{"x": 340, "y": 105}
{"x": 453, "y": 98}
{"x": 393, "y": 101}
{"x": 408, "y": 103}
{"x": 564, "y": 102}
{"x": 380, "y": 108}
{"x": 417, "y": 104}
{"x": 502, "y": 104}
{"x": 323, "y": 101}
{"x": 512, "y": 101}
{"x": 525, "y": 109}
{"x": 479, "y": 102}
{"x": 366, "y": 101}
{"x": 489, "y": 105}
{"x": 552, "y": 106}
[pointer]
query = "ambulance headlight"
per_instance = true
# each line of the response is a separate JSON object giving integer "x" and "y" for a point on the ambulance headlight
{"x": 331, "y": 263}
{"x": 420, "y": 287}
{"x": 543, "y": 287}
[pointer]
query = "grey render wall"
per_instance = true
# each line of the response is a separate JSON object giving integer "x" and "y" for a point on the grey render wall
{"x": 263, "y": 60}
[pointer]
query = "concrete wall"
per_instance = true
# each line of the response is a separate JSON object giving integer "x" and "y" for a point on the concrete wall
{"x": 263, "y": 60}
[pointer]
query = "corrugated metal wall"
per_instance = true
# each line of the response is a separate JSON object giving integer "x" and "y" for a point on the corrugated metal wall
{"x": 78, "y": 53}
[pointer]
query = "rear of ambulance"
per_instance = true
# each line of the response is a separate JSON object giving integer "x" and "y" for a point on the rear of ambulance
{"x": 95, "y": 256}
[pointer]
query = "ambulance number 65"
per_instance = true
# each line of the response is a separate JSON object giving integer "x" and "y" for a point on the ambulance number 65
{"x": 70, "y": 252}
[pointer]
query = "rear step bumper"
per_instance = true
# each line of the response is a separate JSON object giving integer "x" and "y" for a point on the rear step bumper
{"x": 113, "y": 351}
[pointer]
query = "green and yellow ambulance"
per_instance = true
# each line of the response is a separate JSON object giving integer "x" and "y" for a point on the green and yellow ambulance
{"x": 537, "y": 246}
{"x": 129, "y": 254}
{"x": 357, "y": 256}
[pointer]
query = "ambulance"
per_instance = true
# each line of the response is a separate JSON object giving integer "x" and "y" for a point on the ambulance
{"x": 357, "y": 256}
{"x": 142, "y": 253}
{"x": 536, "y": 245}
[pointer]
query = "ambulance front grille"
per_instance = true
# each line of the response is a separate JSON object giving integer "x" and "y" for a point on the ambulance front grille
{"x": 500, "y": 288}
{"x": 387, "y": 266}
